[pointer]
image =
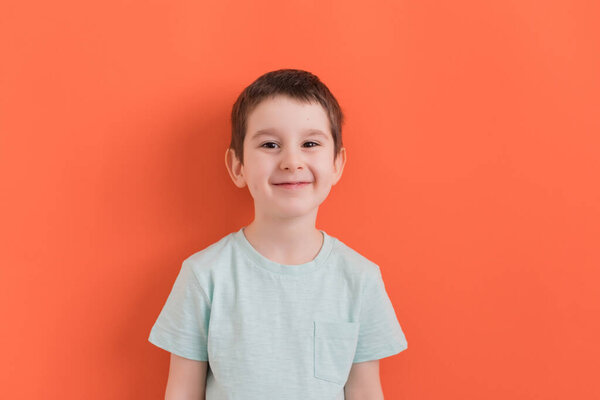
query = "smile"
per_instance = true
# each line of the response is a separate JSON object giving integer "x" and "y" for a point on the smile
{"x": 292, "y": 185}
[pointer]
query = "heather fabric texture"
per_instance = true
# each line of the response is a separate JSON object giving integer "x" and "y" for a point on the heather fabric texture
{"x": 269, "y": 330}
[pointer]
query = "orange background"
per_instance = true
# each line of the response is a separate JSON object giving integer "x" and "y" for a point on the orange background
{"x": 472, "y": 180}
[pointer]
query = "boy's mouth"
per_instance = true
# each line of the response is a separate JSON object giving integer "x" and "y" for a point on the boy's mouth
{"x": 292, "y": 185}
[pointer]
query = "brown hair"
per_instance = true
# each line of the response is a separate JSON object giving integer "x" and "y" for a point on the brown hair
{"x": 297, "y": 84}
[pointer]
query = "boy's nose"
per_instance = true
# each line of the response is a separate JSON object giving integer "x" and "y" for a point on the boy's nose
{"x": 291, "y": 160}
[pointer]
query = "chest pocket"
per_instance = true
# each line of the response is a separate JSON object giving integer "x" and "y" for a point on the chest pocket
{"x": 335, "y": 347}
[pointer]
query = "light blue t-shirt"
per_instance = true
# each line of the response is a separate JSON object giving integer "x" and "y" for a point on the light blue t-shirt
{"x": 274, "y": 331}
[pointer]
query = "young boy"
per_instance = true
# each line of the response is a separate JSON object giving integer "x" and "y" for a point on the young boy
{"x": 280, "y": 309}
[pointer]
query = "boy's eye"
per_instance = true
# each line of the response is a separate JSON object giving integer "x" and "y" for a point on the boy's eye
{"x": 268, "y": 144}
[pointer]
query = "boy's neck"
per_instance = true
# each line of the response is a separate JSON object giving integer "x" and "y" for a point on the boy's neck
{"x": 285, "y": 244}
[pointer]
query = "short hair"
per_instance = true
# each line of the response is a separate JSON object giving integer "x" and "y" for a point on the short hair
{"x": 297, "y": 84}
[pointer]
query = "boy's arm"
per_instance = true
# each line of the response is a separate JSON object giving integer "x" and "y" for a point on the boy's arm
{"x": 363, "y": 382}
{"x": 187, "y": 379}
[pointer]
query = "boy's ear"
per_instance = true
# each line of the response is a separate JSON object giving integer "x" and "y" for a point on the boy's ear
{"x": 234, "y": 167}
{"x": 338, "y": 165}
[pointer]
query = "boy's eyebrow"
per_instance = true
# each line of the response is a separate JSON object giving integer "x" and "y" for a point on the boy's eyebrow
{"x": 271, "y": 131}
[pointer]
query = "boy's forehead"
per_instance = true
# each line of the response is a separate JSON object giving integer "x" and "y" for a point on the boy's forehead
{"x": 284, "y": 100}
{"x": 280, "y": 111}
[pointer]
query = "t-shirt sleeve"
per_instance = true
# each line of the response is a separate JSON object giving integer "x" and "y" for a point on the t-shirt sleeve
{"x": 380, "y": 334}
{"x": 182, "y": 326}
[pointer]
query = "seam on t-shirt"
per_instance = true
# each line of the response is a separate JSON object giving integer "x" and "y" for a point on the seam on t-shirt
{"x": 295, "y": 276}
{"x": 362, "y": 297}
{"x": 177, "y": 332}
{"x": 196, "y": 282}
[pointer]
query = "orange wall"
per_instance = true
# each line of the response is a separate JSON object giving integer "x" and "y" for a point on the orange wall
{"x": 472, "y": 180}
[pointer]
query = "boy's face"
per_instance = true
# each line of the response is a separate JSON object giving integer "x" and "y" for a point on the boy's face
{"x": 287, "y": 141}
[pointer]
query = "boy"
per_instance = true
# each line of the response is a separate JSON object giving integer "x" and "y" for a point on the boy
{"x": 280, "y": 309}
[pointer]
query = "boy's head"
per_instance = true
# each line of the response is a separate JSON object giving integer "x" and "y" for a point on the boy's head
{"x": 286, "y": 143}
{"x": 300, "y": 85}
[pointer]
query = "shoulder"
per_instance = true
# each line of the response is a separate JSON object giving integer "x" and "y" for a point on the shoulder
{"x": 353, "y": 261}
{"x": 211, "y": 252}
{"x": 205, "y": 262}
